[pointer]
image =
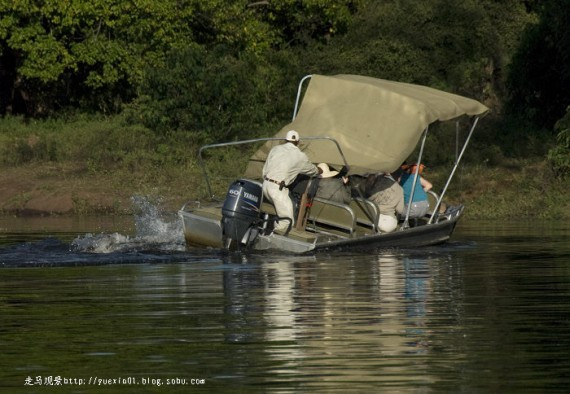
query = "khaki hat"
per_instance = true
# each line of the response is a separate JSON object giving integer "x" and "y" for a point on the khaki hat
{"x": 292, "y": 136}
{"x": 327, "y": 173}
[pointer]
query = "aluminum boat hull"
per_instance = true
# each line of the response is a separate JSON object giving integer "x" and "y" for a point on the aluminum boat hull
{"x": 202, "y": 228}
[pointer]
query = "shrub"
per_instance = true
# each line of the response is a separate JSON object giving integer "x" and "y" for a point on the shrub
{"x": 99, "y": 143}
{"x": 212, "y": 95}
{"x": 559, "y": 156}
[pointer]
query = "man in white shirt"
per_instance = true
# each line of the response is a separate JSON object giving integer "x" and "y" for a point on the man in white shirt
{"x": 282, "y": 166}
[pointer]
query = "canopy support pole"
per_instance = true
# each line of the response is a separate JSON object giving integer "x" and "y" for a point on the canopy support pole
{"x": 436, "y": 208}
{"x": 299, "y": 94}
{"x": 406, "y": 224}
{"x": 456, "y": 140}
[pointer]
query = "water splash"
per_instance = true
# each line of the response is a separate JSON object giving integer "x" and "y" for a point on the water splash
{"x": 156, "y": 230}
{"x": 152, "y": 222}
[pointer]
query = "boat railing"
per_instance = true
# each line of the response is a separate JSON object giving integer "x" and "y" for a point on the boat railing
{"x": 254, "y": 141}
{"x": 366, "y": 212}
{"x": 416, "y": 175}
{"x": 330, "y": 213}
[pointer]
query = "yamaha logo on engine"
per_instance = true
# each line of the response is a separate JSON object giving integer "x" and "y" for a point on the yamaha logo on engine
{"x": 252, "y": 197}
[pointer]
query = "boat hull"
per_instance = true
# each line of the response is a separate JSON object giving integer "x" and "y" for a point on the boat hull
{"x": 203, "y": 228}
{"x": 425, "y": 235}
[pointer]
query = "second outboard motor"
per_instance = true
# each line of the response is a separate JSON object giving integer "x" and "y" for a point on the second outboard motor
{"x": 240, "y": 211}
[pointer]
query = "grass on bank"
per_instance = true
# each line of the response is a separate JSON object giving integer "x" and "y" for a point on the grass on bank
{"x": 102, "y": 162}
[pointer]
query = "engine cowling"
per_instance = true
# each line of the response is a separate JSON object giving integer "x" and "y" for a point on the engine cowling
{"x": 241, "y": 212}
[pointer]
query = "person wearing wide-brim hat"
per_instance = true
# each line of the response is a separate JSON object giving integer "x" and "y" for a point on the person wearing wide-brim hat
{"x": 284, "y": 163}
{"x": 333, "y": 186}
{"x": 326, "y": 171}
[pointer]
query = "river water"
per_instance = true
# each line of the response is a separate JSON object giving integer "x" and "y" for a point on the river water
{"x": 118, "y": 305}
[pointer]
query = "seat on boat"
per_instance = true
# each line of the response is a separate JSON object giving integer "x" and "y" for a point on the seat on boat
{"x": 366, "y": 212}
{"x": 332, "y": 214}
{"x": 335, "y": 215}
{"x": 432, "y": 200}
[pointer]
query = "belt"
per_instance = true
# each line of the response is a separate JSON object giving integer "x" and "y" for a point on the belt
{"x": 281, "y": 184}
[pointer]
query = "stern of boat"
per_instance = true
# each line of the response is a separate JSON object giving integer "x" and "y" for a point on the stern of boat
{"x": 202, "y": 225}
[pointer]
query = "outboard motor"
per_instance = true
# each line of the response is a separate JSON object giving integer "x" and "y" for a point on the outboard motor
{"x": 240, "y": 212}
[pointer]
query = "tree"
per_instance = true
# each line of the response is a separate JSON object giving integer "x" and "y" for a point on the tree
{"x": 539, "y": 77}
{"x": 211, "y": 95}
{"x": 456, "y": 46}
{"x": 61, "y": 52}
{"x": 559, "y": 155}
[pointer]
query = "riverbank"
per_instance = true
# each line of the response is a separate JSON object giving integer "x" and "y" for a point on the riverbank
{"x": 512, "y": 189}
{"x": 44, "y": 189}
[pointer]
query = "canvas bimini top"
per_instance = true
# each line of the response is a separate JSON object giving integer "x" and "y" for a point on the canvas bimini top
{"x": 376, "y": 122}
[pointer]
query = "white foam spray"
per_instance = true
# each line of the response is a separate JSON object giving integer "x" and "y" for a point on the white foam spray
{"x": 156, "y": 230}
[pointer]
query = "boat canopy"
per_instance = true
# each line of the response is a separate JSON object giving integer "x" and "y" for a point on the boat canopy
{"x": 376, "y": 122}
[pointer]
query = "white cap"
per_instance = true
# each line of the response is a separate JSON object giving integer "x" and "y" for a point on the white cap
{"x": 292, "y": 136}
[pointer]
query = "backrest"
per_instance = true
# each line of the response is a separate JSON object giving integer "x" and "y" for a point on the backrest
{"x": 432, "y": 200}
{"x": 335, "y": 215}
{"x": 366, "y": 212}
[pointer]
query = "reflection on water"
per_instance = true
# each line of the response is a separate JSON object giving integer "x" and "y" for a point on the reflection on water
{"x": 487, "y": 312}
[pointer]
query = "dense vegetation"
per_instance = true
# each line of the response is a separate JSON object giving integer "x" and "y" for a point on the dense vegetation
{"x": 141, "y": 83}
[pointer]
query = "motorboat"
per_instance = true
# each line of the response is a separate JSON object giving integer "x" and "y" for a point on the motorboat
{"x": 363, "y": 124}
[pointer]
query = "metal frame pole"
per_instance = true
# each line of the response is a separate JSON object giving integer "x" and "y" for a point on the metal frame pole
{"x": 299, "y": 94}
{"x": 456, "y": 140}
{"x": 406, "y": 224}
{"x": 255, "y": 140}
{"x": 453, "y": 170}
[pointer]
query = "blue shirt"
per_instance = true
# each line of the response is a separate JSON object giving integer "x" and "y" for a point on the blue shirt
{"x": 407, "y": 181}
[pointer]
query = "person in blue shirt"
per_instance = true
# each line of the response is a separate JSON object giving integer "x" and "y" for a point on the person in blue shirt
{"x": 419, "y": 201}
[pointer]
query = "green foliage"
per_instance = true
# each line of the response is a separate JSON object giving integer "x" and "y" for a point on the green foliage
{"x": 94, "y": 53}
{"x": 100, "y": 144}
{"x": 454, "y": 46}
{"x": 516, "y": 188}
{"x": 213, "y": 95}
{"x": 559, "y": 156}
{"x": 539, "y": 76}
{"x": 216, "y": 71}
{"x": 460, "y": 47}
{"x": 504, "y": 137}
{"x": 94, "y": 44}
{"x": 301, "y": 22}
